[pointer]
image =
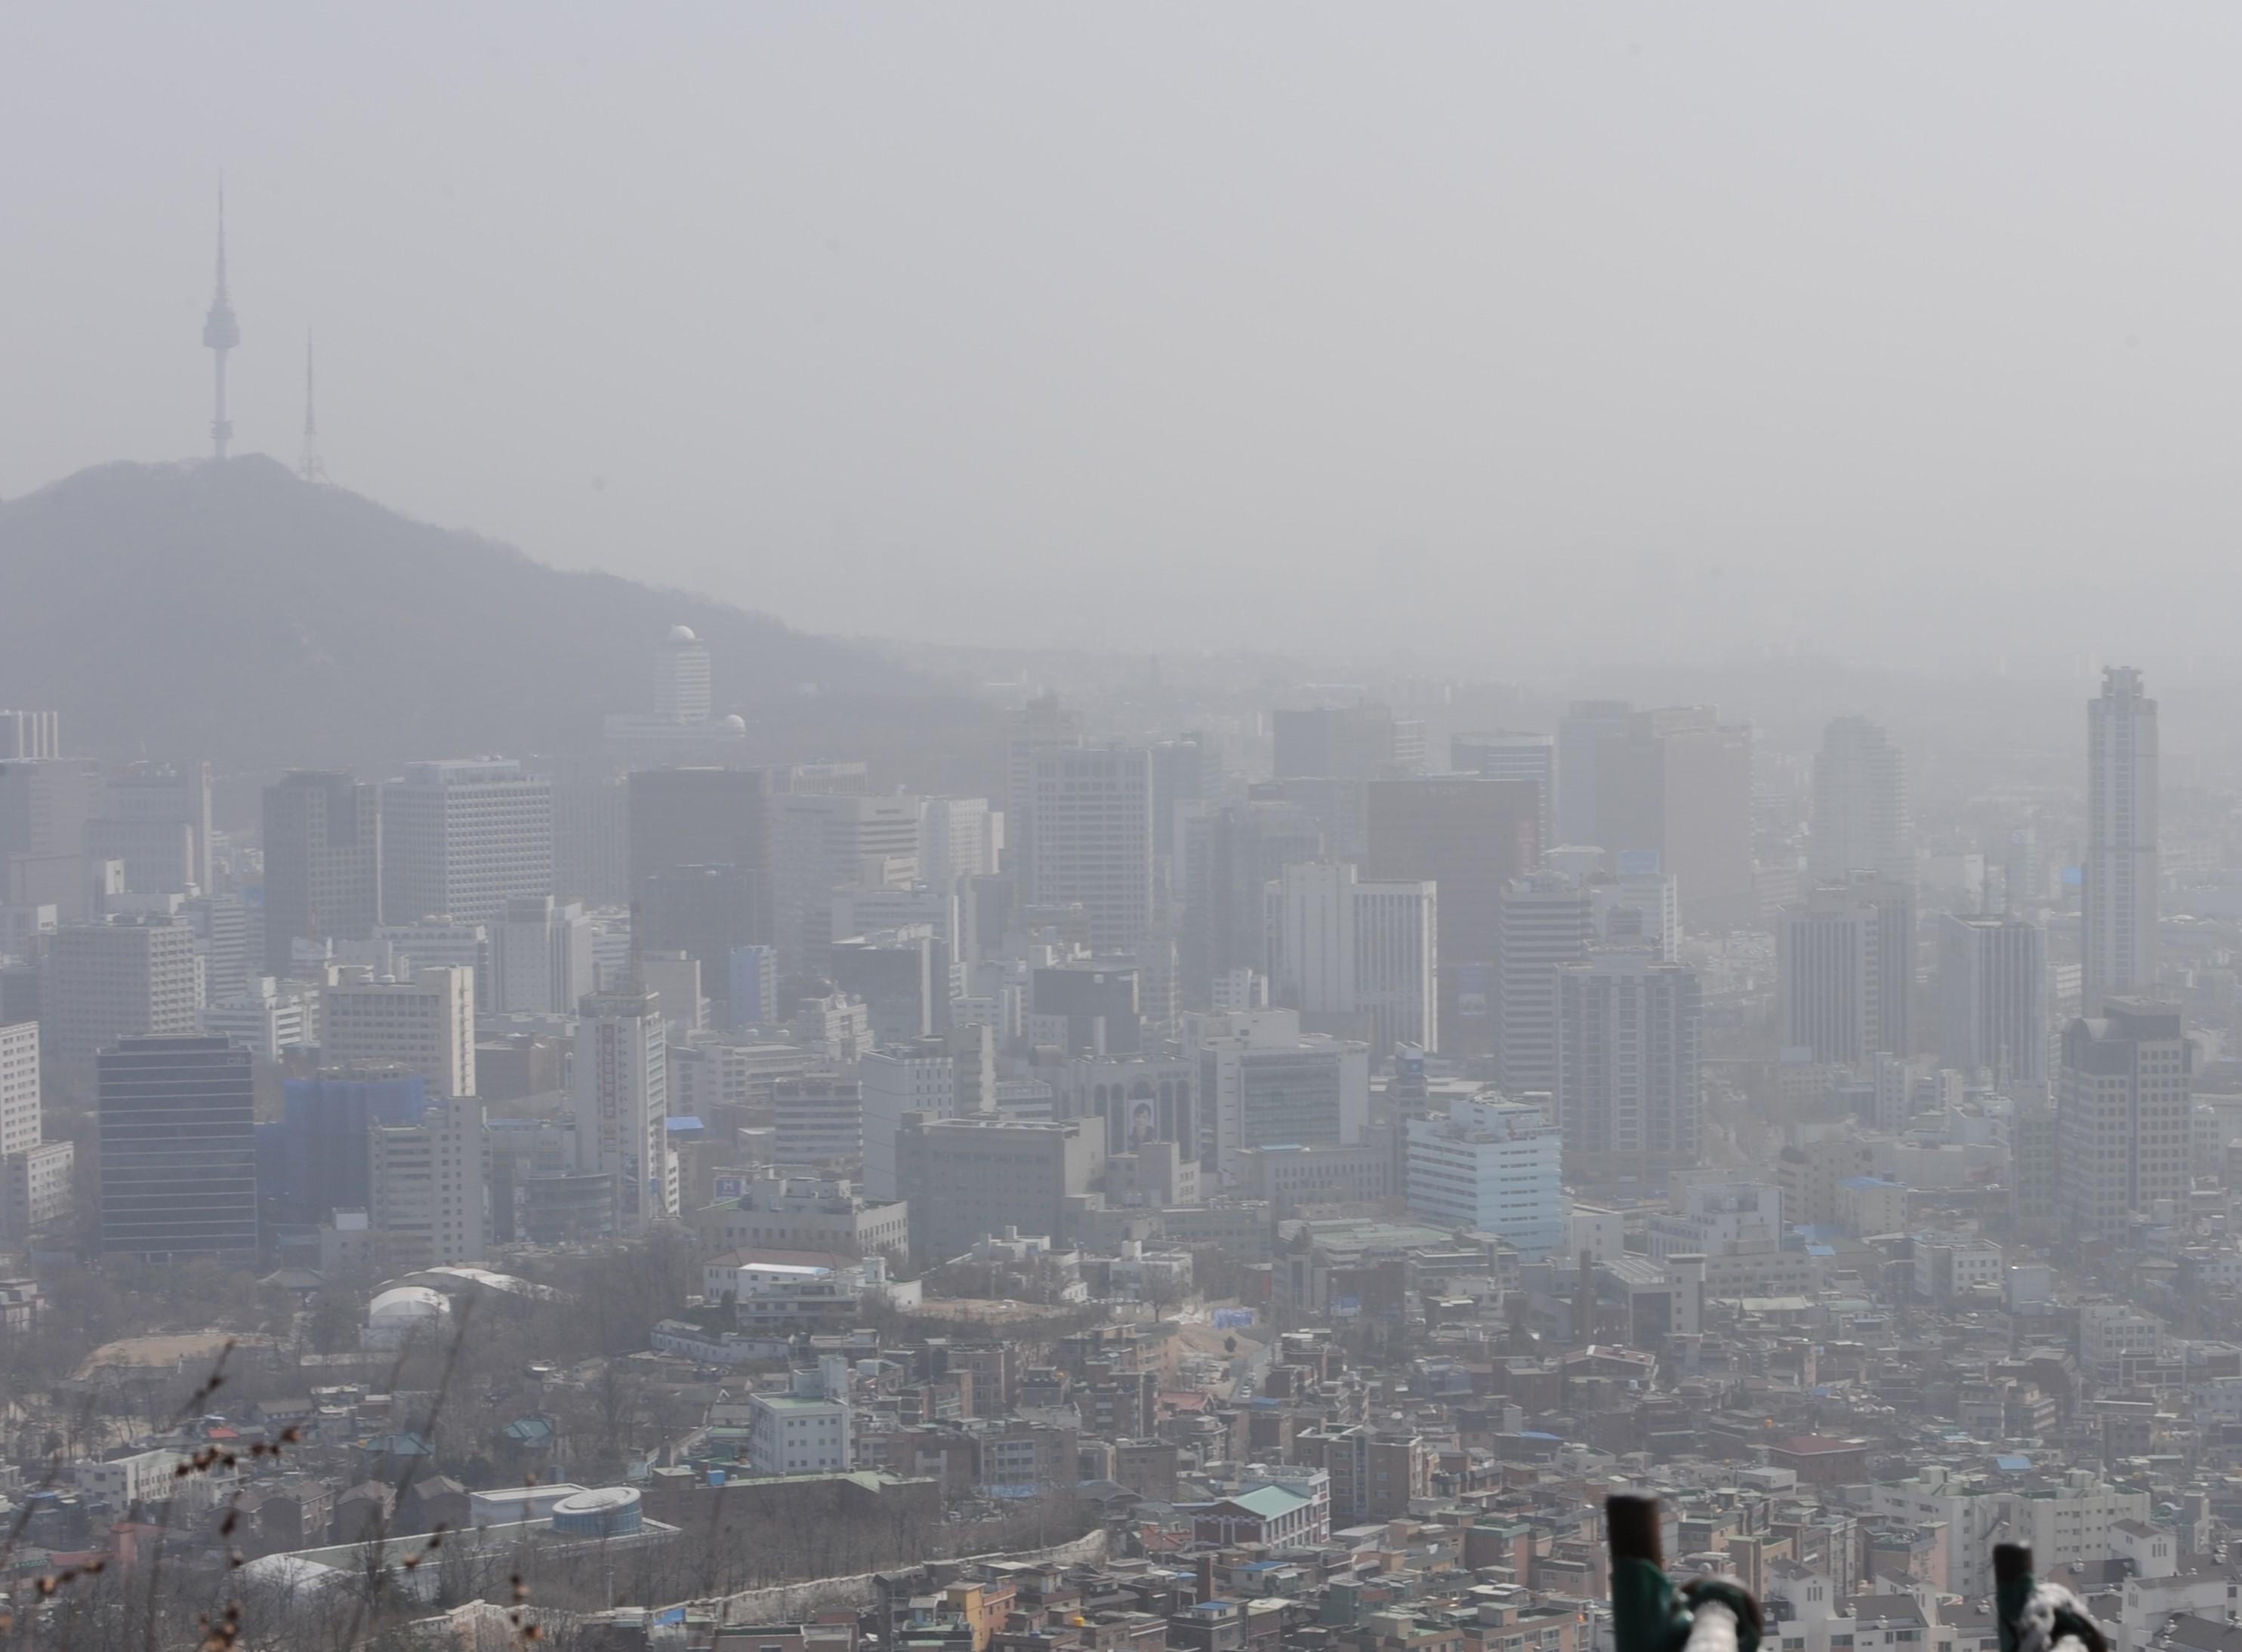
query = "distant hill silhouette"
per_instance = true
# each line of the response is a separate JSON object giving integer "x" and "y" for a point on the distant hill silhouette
{"x": 235, "y": 612}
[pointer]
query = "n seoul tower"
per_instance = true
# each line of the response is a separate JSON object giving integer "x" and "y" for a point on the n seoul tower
{"x": 220, "y": 333}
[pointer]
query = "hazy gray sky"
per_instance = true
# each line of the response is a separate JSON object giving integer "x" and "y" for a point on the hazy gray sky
{"x": 1526, "y": 331}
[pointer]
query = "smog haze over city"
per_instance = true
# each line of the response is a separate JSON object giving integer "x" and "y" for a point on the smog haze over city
{"x": 1561, "y": 336}
{"x": 1019, "y": 828}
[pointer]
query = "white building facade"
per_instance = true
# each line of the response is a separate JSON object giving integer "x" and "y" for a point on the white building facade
{"x": 621, "y": 1106}
{"x": 426, "y": 1024}
{"x": 2119, "y": 902}
{"x": 462, "y": 837}
{"x": 1492, "y": 1165}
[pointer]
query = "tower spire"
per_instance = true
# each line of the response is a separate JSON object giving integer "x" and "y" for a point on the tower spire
{"x": 309, "y": 465}
{"x": 220, "y": 333}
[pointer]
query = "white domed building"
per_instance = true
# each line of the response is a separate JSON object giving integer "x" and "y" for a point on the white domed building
{"x": 682, "y": 722}
{"x": 401, "y": 1311}
{"x": 680, "y": 682}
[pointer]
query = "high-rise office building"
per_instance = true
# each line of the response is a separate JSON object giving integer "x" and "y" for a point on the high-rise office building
{"x": 863, "y": 909}
{"x": 675, "y": 979}
{"x": 1677, "y": 784}
{"x": 28, "y": 736}
{"x": 1860, "y": 805}
{"x": 1826, "y": 953}
{"x": 268, "y": 1020}
{"x": 1091, "y": 811}
{"x": 704, "y": 912}
{"x": 1633, "y": 907}
{"x": 957, "y": 837}
{"x": 540, "y": 956}
{"x": 1337, "y": 809}
{"x": 20, "y": 1087}
{"x": 1894, "y": 899}
{"x": 680, "y": 722}
{"x": 620, "y": 1111}
{"x": 144, "y": 805}
{"x": 428, "y": 1187}
{"x": 1992, "y": 997}
{"x": 426, "y": 1025}
{"x": 1344, "y": 743}
{"x": 431, "y": 943}
{"x": 34, "y": 1173}
{"x": 819, "y": 1119}
{"x": 38, "y": 1190}
{"x": 1227, "y": 856}
{"x": 2036, "y": 1173}
{"x": 821, "y": 841}
{"x": 893, "y": 972}
{"x": 705, "y": 817}
{"x": 44, "y": 806}
{"x": 462, "y": 837}
{"x": 591, "y": 838}
{"x": 1507, "y": 754}
{"x": 220, "y": 923}
{"x": 1846, "y": 958}
{"x": 155, "y": 857}
{"x": 1359, "y": 959}
{"x": 1582, "y": 734}
{"x": 2123, "y": 1096}
{"x": 2024, "y": 871}
{"x": 178, "y": 1149}
{"x": 2118, "y": 939}
{"x": 1630, "y": 1036}
{"x": 1083, "y": 1009}
{"x": 1397, "y": 967}
{"x": 1042, "y": 725}
{"x": 918, "y": 1078}
{"x": 1540, "y": 921}
{"x": 1492, "y": 1166}
{"x": 128, "y": 977}
{"x": 317, "y": 1161}
{"x": 322, "y": 863}
{"x": 683, "y": 690}
{"x": 1186, "y": 773}
{"x": 1469, "y": 837}
{"x": 1314, "y": 970}
{"x": 751, "y": 977}
{"x": 965, "y": 1179}
{"x": 1263, "y": 1083}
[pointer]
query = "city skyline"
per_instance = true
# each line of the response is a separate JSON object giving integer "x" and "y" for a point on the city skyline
{"x": 1272, "y": 830}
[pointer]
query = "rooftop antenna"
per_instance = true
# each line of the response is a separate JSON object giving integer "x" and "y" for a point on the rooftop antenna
{"x": 309, "y": 465}
{"x": 220, "y": 333}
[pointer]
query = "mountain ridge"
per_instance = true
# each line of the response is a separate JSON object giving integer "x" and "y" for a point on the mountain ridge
{"x": 231, "y": 610}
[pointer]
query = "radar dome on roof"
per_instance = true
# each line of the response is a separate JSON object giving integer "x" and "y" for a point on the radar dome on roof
{"x": 682, "y": 634}
{"x": 735, "y": 723}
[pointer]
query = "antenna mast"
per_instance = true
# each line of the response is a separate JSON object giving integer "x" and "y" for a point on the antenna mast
{"x": 309, "y": 465}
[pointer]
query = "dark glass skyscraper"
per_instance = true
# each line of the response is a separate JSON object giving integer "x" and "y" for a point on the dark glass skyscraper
{"x": 178, "y": 1149}
{"x": 322, "y": 862}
